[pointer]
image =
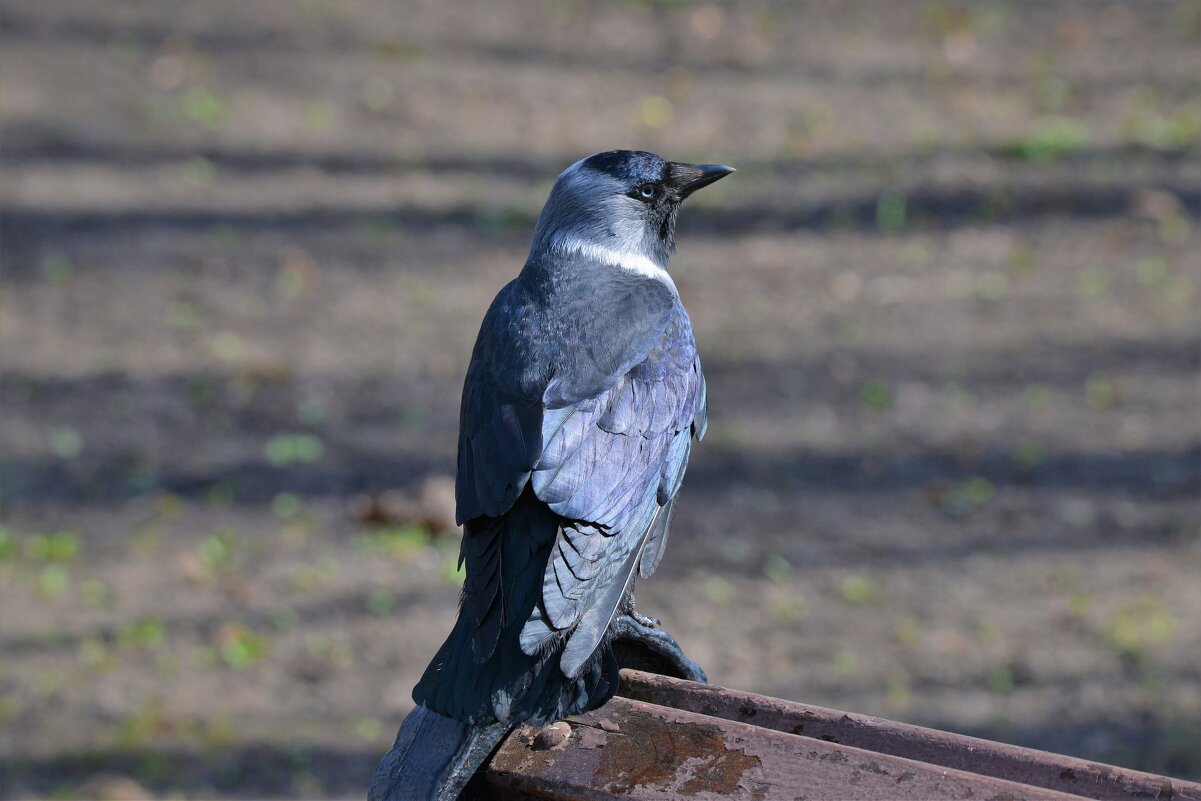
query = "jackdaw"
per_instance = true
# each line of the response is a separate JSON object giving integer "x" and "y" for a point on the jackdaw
{"x": 582, "y": 399}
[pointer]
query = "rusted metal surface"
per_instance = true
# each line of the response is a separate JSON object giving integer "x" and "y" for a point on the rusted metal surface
{"x": 1021, "y": 765}
{"x": 635, "y": 750}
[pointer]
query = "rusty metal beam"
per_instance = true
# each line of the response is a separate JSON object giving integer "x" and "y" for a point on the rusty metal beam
{"x": 635, "y": 750}
{"x": 1024, "y": 766}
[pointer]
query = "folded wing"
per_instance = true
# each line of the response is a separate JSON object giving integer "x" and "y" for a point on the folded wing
{"x": 604, "y": 445}
{"x": 610, "y": 469}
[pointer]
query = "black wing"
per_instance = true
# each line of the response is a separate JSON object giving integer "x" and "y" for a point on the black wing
{"x": 611, "y": 470}
{"x": 604, "y": 445}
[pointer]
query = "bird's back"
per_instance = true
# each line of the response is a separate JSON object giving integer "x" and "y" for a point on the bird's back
{"x": 578, "y": 412}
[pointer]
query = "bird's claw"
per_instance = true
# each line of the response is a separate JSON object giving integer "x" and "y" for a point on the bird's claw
{"x": 645, "y": 620}
{"x": 628, "y": 608}
{"x": 653, "y": 649}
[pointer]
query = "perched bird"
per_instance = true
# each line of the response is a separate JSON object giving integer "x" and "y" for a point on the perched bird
{"x": 582, "y": 399}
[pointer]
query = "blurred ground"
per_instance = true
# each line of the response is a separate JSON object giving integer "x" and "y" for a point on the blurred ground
{"x": 948, "y": 308}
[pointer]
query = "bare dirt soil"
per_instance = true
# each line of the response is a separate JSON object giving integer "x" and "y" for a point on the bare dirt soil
{"x": 948, "y": 308}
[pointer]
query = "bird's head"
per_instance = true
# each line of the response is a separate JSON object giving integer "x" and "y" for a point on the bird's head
{"x": 622, "y": 203}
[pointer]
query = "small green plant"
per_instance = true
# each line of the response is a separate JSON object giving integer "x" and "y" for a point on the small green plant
{"x": 227, "y": 346}
{"x": 369, "y": 729}
{"x": 286, "y": 450}
{"x": 876, "y": 395}
{"x": 307, "y": 578}
{"x": 1093, "y": 283}
{"x": 1029, "y": 455}
{"x": 1001, "y": 679}
{"x": 377, "y": 93}
{"x": 335, "y": 654}
{"x": 96, "y": 655}
{"x": 1176, "y": 130}
{"x": 215, "y": 551}
{"x": 198, "y": 172}
{"x": 239, "y": 646}
{"x": 57, "y": 270}
{"x": 220, "y": 495}
{"x": 381, "y": 602}
{"x": 1140, "y": 626}
{"x": 1052, "y": 93}
{"x": 988, "y": 632}
{"x": 452, "y": 571}
{"x": 900, "y": 696}
{"x": 1023, "y": 260}
{"x": 1080, "y": 604}
{"x": 225, "y": 236}
{"x": 891, "y": 212}
{"x": 502, "y": 219}
{"x": 53, "y": 580}
{"x": 1051, "y": 138}
{"x": 285, "y": 619}
{"x": 286, "y": 506}
{"x": 61, "y": 546}
{"x": 906, "y": 633}
{"x": 203, "y": 106}
{"x": 1036, "y": 397}
{"x": 846, "y": 663}
{"x": 66, "y": 443}
{"x": 735, "y": 551}
{"x": 145, "y": 724}
{"x": 319, "y": 116}
{"x": 311, "y": 412}
{"x": 992, "y": 286}
{"x": 788, "y": 609}
{"x": 48, "y": 685}
{"x": 182, "y": 316}
{"x": 969, "y": 496}
{"x": 777, "y": 568}
{"x": 1153, "y": 271}
{"x": 145, "y": 633}
{"x": 718, "y": 590}
{"x": 978, "y": 490}
{"x": 860, "y": 591}
{"x": 655, "y": 111}
{"x": 1101, "y": 392}
{"x": 400, "y": 543}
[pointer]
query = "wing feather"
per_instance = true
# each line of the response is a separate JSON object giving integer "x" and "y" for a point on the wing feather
{"x": 613, "y": 480}
{"x": 605, "y": 451}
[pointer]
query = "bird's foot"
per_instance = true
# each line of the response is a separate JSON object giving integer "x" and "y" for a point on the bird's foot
{"x": 646, "y": 620}
{"x": 644, "y": 646}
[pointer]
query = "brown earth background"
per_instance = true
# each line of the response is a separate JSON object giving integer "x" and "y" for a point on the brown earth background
{"x": 948, "y": 308}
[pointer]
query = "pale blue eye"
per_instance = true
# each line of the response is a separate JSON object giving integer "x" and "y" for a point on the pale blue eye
{"x": 647, "y": 191}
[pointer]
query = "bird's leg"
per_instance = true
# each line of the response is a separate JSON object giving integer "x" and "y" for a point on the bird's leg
{"x": 650, "y": 648}
{"x": 627, "y": 607}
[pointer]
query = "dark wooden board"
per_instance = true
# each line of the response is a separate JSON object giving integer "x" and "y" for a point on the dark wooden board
{"x": 970, "y": 754}
{"x": 636, "y": 750}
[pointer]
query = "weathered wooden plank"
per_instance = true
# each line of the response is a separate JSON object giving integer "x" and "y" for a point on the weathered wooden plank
{"x": 1022, "y": 765}
{"x": 634, "y": 750}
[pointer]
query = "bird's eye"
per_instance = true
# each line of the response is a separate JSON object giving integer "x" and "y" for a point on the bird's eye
{"x": 646, "y": 191}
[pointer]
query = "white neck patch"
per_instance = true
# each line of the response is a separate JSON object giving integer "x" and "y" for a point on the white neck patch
{"x": 631, "y": 262}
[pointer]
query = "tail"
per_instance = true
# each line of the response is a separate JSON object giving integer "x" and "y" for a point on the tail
{"x": 481, "y": 674}
{"x": 433, "y": 757}
{"x": 481, "y": 683}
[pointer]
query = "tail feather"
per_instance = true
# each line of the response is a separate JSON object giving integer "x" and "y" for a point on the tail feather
{"x": 433, "y": 757}
{"x": 470, "y": 697}
{"x": 509, "y": 684}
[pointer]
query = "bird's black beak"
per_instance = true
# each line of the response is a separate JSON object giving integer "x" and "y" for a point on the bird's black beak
{"x": 687, "y": 178}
